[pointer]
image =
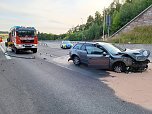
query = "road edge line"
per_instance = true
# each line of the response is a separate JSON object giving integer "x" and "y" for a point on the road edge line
{"x": 7, "y": 57}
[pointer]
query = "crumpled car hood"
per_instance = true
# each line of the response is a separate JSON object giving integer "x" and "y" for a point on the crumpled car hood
{"x": 137, "y": 54}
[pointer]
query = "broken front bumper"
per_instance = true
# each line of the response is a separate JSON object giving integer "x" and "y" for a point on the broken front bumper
{"x": 139, "y": 65}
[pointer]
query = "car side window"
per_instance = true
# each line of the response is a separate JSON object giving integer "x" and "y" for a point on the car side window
{"x": 77, "y": 46}
{"x": 83, "y": 47}
{"x": 91, "y": 49}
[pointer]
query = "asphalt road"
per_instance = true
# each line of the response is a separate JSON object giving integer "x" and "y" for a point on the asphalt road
{"x": 36, "y": 84}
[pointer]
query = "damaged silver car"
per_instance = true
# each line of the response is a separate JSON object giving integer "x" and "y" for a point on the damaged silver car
{"x": 103, "y": 55}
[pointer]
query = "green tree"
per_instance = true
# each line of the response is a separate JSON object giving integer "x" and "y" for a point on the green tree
{"x": 98, "y": 18}
{"x": 90, "y": 21}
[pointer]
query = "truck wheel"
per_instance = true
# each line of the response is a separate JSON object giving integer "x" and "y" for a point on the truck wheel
{"x": 16, "y": 50}
{"x": 6, "y": 44}
{"x": 12, "y": 50}
{"x": 34, "y": 50}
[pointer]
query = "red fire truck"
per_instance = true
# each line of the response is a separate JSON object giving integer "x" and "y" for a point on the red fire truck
{"x": 22, "y": 38}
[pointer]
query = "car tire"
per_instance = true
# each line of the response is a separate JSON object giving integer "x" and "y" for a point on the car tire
{"x": 76, "y": 60}
{"x": 119, "y": 67}
{"x": 34, "y": 50}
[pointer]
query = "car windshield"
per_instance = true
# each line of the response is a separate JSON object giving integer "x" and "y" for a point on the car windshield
{"x": 23, "y": 33}
{"x": 66, "y": 42}
{"x": 113, "y": 49}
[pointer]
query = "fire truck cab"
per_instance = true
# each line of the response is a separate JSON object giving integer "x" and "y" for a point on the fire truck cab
{"x": 22, "y": 38}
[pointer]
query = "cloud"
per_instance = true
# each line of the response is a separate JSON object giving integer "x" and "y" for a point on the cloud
{"x": 48, "y": 15}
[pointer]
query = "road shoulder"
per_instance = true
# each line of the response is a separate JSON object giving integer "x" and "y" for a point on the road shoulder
{"x": 132, "y": 87}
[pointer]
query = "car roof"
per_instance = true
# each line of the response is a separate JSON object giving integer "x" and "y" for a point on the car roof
{"x": 100, "y": 43}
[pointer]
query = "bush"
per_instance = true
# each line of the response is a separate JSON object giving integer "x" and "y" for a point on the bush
{"x": 140, "y": 35}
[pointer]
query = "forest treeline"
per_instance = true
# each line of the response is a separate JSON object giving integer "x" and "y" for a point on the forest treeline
{"x": 120, "y": 13}
{"x": 3, "y": 32}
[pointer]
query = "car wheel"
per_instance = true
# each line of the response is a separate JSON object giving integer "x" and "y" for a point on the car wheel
{"x": 76, "y": 60}
{"x": 119, "y": 67}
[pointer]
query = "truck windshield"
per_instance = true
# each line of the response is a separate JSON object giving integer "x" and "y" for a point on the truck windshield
{"x": 24, "y": 33}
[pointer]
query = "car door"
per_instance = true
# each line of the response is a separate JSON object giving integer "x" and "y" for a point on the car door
{"x": 82, "y": 54}
{"x": 97, "y": 57}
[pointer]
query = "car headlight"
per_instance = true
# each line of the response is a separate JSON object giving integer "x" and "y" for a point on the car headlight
{"x": 19, "y": 45}
{"x": 145, "y": 53}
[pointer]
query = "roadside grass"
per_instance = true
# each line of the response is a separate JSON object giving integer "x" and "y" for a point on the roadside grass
{"x": 139, "y": 35}
{"x": 4, "y": 36}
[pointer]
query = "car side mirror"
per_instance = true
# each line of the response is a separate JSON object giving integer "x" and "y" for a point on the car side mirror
{"x": 104, "y": 53}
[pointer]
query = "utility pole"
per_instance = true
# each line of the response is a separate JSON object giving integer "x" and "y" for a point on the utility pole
{"x": 82, "y": 29}
{"x": 108, "y": 23}
{"x": 103, "y": 24}
{"x": 108, "y": 30}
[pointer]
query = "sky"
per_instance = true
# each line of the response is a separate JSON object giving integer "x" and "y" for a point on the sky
{"x": 50, "y": 16}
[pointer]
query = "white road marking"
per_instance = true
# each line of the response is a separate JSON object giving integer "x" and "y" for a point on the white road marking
{"x": 7, "y": 57}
